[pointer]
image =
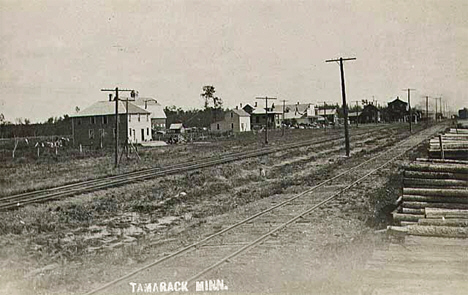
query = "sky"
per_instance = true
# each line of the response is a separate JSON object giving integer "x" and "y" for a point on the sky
{"x": 56, "y": 55}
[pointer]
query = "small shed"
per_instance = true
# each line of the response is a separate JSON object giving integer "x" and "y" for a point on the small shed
{"x": 177, "y": 128}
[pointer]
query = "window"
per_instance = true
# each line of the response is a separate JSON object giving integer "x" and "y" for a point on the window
{"x": 91, "y": 133}
{"x": 232, "y": 125}
{"x": 217, "y": 126}
{"x": 147, "y": 118}
{"x": 130, "y": 132}
{"x": 138, "y": 117}
{"x": 104, "y": 119}
{"x": 147, "y": 131}
{"x": 257, "y": 119}
{"x": 79, "y": 121}
{"x": 232, "y": 114}
{"x": 93, "y": 120}
{"x": 129, "y": 118}
{"x": 242, "y": 127}
{"x": 101, "y": 132}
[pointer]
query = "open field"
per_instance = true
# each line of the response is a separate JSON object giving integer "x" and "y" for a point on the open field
{"x": 62, "y": 246}
{"x": 26, "y": 172}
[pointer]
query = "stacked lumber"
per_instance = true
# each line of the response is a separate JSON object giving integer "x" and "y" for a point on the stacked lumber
{"x": 434, "y": 200}
{"x": 453, "y": 144}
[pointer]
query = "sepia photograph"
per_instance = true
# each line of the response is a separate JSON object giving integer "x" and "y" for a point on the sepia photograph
{"x": 233, "y": 147}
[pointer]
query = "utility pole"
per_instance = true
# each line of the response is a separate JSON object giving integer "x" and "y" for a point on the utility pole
{"x": 409, "y": 108}
{"x": 427, "y": 111}
{"x": 282, "y": 123}
{"x": 436, "y": 98}
{"x": 343, "y": 94}
{"x": 357, "y": 113}
{"x": 116, "y": 121}
{"x": 266, "y": 114}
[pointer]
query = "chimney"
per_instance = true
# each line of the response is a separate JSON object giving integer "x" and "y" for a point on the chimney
{"x": 255, "y": 104}
{"x": 110, "y": 96}
{"x": 237, "y": 107}
{"x": 297, "y": 102}
{"x": 241, "y": 105}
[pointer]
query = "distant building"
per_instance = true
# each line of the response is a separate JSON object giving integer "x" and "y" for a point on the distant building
{"x": 370, "y": 114}
{"x": 353, "y": 116}
{"x": 259, "y": 115}
{"x": 397, "y": 111}
{"x": 158, "y": 116}
{"x": 236, "y": 120}
{"x": 463, "y": 113}
{"x": 177, "y": 128}
{"x": 299, "y": 113}
{"x": 95, "y": 125}
{"x": 329, "y": 113}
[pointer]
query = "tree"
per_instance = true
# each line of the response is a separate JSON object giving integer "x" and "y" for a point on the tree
{"x": 208, "y": 95}
{"x": 27, "y": 121}
{"x": 2, "y": 119}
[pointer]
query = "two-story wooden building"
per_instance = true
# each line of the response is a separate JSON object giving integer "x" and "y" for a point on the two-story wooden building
{"x": 95, "y": 125}
{"x": 236, "y": 120}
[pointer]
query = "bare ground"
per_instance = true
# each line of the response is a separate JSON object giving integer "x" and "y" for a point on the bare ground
{"x": 62, "y": 246}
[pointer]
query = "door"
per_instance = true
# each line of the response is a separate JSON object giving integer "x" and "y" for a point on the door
{"x": 142, "y": 134}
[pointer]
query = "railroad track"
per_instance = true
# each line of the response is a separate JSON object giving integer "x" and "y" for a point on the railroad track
{"x": 194, "y": 261}
{"x": 18, "y": 200}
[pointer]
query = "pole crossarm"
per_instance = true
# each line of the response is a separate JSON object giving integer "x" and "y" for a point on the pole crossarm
{"x": 340, "y": 59}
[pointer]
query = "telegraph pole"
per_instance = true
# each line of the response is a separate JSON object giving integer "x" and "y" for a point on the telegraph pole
{"x": 116, "y": 121}
{"x": 343, "y": 94}
{"x": 427, "y": 111}
{"x": 282, "y": 123}
{"x": 409, "y": 108}
{"x": 266, "y": 114}
{"x": 357, "y": 112}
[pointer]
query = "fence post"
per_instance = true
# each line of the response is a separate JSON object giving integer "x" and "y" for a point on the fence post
{"x": 441, "y": 147}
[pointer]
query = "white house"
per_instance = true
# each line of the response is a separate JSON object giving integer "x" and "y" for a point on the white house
{"x": 158, "y": 116}
{"x": 95, "y": 125}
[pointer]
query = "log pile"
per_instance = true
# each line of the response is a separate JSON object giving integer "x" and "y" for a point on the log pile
{"x": 451, "y": 145}
{"x": 434, "y": 200}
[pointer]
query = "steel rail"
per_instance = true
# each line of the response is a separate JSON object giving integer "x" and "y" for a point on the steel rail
{"x": 212, "y": 236}
{"x": 118, "y": 180}
{"x": 138, "y": 172}
{"x": 292, "y": 220}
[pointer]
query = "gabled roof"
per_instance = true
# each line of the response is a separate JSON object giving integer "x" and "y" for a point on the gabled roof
{"x": 260, "y": 111}
{"x": 295, "y": 108}
{"x": 102, "y": 108}
{"x": 321, "y": 112}
{"x": 241, "y": 113}
{"x": 354, "y": 114}
{"x": 150, "y": 104}
{"x": 397, "y": 100}
{"x": 176, "y": 126}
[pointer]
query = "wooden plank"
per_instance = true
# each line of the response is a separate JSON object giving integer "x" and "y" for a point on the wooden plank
{"x": 444, "y": 222}
{"x": 437, "y": 167}
{"x": 407, "y": 217}
{"x": 426, "y": 205}
{"x": 434, "y": 199}
{"x": 436, "y": 192}
{"x": 434, "y": 182}
{"x": 446, "y": 213}
{"x": 435, "y": 175}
